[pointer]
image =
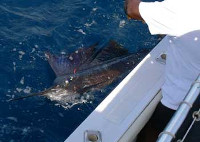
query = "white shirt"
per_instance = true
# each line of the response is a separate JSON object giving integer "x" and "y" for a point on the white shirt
{"x": 180, "y": 19}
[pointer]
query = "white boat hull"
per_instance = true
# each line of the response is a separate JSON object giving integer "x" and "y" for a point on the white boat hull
{"x": 124, "y": 112}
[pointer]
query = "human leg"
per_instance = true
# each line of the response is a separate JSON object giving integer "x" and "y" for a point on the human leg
{"x": 156, "y": 124}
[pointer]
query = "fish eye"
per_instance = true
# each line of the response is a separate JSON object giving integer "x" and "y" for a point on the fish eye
{"x": 66, "y": 82}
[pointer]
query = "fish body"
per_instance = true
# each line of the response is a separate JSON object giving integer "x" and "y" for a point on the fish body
{"x": 87, "y": 69}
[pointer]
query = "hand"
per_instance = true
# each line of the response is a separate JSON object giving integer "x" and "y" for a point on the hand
{"x": 131, "y": 8}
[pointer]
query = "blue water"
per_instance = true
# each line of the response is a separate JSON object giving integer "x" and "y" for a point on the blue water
{"x": 27, "y": 29}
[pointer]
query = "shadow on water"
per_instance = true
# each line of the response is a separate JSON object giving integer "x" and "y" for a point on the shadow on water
{"x": 27, "y": 29}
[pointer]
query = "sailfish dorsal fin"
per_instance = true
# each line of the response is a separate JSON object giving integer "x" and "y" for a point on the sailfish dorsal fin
{"x": 110, "y": 51}
{"x": 67, "y": 64}
{"x": 84, "y": 58}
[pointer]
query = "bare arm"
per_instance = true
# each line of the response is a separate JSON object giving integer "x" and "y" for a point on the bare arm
{"x": 131, "y": 8}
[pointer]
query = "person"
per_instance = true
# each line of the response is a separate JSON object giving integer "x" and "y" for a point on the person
{"x": 180, "y": 21}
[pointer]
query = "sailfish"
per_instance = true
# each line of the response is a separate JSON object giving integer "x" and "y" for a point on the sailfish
{"x": 87, "y": 69}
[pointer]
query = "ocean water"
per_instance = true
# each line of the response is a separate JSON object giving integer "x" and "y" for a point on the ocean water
{"x": 27, "y": 30}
